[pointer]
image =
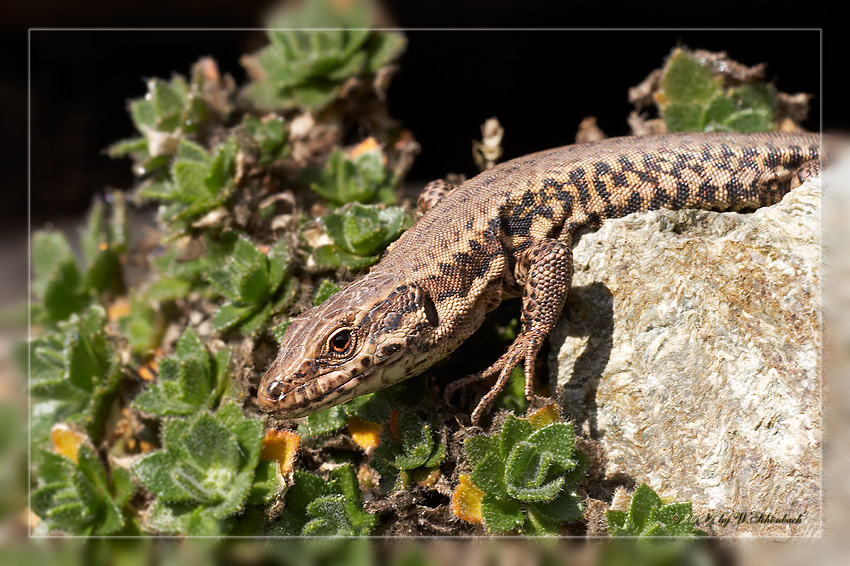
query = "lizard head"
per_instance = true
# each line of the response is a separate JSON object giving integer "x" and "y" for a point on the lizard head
{"x": 373, "y": 333}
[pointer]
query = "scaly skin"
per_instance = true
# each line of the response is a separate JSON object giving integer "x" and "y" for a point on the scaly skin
{"x": 507, "y": 233}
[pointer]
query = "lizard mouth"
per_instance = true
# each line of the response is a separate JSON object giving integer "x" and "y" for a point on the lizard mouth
{"x": 314, "y": 395}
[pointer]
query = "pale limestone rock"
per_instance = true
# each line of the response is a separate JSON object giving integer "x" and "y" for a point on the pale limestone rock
{"x": 690, "y": 349}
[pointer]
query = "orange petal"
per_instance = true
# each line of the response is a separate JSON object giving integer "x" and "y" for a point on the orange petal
{"x": 119, "y": 308}
{"x": 544, "y": 416}
{"x": 67, "y": 441}
{"x": 365, "y": 433}
{"x": 146, "y": 373}
{"x": 367, "y": 145}
{"x": 466, "y": 501}
{"x": 282, "y": 446}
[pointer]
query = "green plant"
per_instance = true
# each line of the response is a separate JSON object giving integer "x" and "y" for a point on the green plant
{"x": 176, "y": 274}
{"x": 270, "y": 135}
{"x": 307, "y": 68}
{"x": 73, "y": 493}
{"x": 359, "y": 234}
{"x": 354, "y": 178}
{"x": 314, "y": 506}
{"x": 189, "y": 381}
{"x": 205, "y": 472}
{"x": 653, "y": 533}
{"x": 256, "y": 285}
{"x": 199, "y": 183}
{"x": 64, "y": 285}
{"x": 169, "y": 112}
{"x": 526, "y": 477}
{"x": 374, "y": 407}
{"x": 142, "y": 324}
{"x": 648, "y": 516}
{"x": 326, "y": 290}
{"x": 409, "y": 448}
{"x": 692, "y": 98}
{"x": 77, "y": 369}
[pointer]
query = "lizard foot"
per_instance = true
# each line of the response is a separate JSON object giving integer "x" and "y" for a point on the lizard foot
{"x": 523, "y": 350}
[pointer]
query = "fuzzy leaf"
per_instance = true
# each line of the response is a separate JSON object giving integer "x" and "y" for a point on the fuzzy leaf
{"x": 187, "y": 381}
{"x": 528, "y": 474}
{"x": 190, "y": 151}
{"x": 501, "y": 516}
{"x": 326, "y": 421}
{"x": 208, "y": 462}
{"x": 672, "y": 519}
{"x": 644, "y": 499}
{"x": 477, "y": 447}
{"x": 416, "y": 442}
{"x": 229, "y": 315}
{"x": 58, "y": 279}
{"x": 266, "y": 485}
{"x": 566, "y": 506}
{"x": 330, "y": 517}
{"x": 489, "y": 476}
{"x": 326, "y": 290}
{"x": 279, "y": 258}
{"x": 557, "y": 439}
{"x": 686, "y": 80}
{"x": 513, "y": 432}
{"x": 616, "y": 522}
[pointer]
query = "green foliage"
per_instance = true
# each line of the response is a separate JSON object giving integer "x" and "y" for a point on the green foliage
{"x": 375, "y": 407}
{"x": 204, "y": 473}
{"x": 653, "y": 533}
{"x": 167, "y": 113}
{"x": 75, "y": 368}
{"x": 270, "y": 135}
{"x": 317, "y": 507}
{"x": 305, "y": 67}
{"x": 418, "y": 445}
{"x": 359, "y": 233}
{"x": 326, "y": 290}
{"x": 199, "y": 183}
{"x": 178, "y": 275}
{"x": 256, "y": 285}
{"x": 528, "y": 476}
{"x": 66, "y": 286}
{"x": 76, "y": 497}
{"x": 189, "y": 381}
{"x": 693, "y": 99}
{"x": 362, "y": 178}
{"x": 143, "y": 325}
{"x": 648, "y": 516}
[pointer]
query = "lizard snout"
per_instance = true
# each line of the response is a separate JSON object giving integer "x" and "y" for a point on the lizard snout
{"x": 276, "y": 383}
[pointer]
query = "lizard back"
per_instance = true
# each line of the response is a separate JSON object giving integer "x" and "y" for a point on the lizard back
{"x": 553, "y": 193}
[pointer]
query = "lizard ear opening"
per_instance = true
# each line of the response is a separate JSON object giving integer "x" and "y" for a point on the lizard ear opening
{"x": 430, "y": 309}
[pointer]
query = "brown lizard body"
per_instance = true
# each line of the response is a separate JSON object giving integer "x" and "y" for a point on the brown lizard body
{"x": 506, "y": 233}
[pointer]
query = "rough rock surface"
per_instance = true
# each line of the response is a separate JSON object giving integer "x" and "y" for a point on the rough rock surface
{"x": 690, "y": 349}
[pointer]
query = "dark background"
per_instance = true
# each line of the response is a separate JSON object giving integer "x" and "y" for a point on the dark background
{"x": 540, "y": 84}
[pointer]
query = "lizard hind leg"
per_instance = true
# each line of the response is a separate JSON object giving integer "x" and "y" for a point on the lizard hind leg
{"x": 547, "y": 268}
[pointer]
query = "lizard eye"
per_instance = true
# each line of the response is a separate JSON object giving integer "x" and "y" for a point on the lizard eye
{"x": 341, "y": 340}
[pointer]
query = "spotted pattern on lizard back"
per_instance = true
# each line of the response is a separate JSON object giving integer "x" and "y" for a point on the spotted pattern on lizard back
{"x": 504, "y": 233}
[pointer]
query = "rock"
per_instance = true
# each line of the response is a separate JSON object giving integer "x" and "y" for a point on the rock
{"x": 690, "y": 350}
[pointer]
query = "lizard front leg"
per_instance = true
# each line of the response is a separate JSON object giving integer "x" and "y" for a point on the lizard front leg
{"x": 545, "y": 272}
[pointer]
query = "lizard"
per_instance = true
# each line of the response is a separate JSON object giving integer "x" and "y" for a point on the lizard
{"x": 507, "y": 233}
